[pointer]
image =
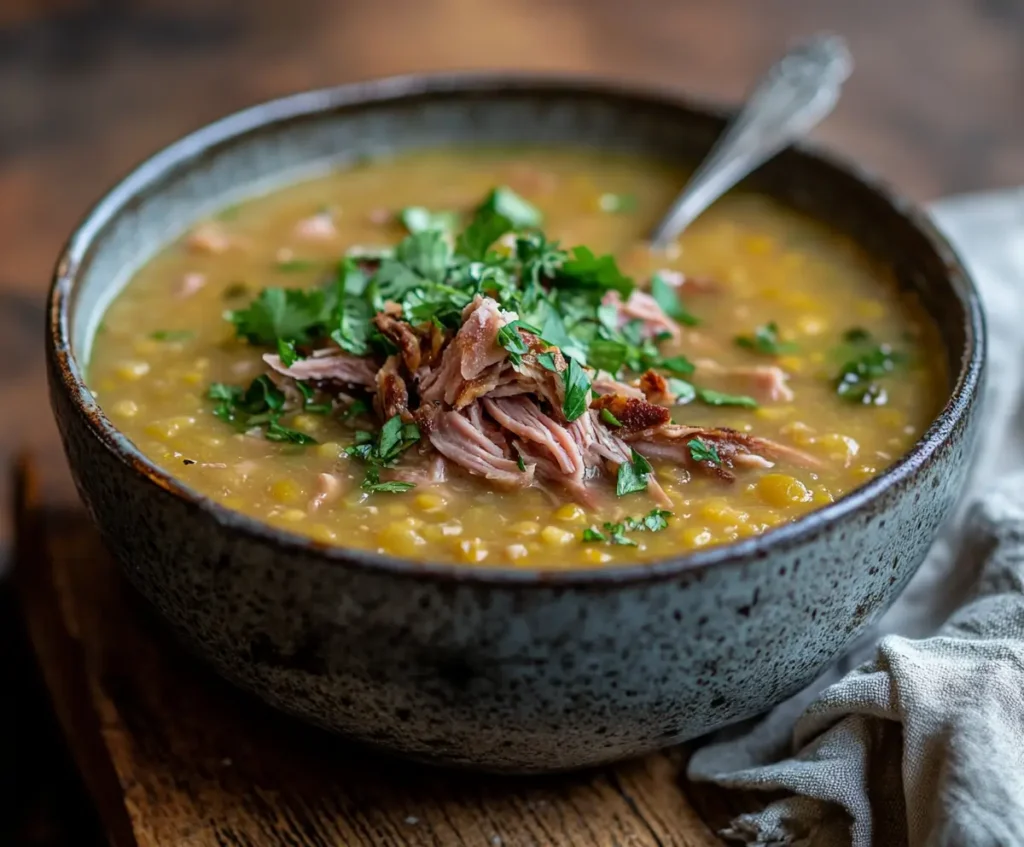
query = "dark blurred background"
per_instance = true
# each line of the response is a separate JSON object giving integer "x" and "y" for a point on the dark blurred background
{"x": 89, "y": 87}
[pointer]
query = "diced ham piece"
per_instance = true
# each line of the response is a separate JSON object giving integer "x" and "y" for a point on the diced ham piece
{"x": 318, "y": 227}
{"x": 189, "y": 284}
{"x": 655, "y": 388}
{"x": 765, "y": 383}
{"x": 454, "y": 437}
{"x": 467, "y": 367}
{"x": 643, "y": 307}
{"x": 328, "y": 489}
{"x": 208, "y": 237}
{"x": 330, "y": 365}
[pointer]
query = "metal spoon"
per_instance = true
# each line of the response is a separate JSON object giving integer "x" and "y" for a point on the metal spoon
{"x": 792, "y": 98}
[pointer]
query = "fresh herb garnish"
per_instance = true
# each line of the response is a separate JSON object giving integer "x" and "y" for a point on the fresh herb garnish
{"x": 520, "y": 463}
{"x": 683, "y": 391}
{"x": 632, "y": 475}
{"x": 717, "y": 398}
{"x": 667, "y": 298}
{"x": 654, "y": 521}
{"x": 678, "y": 365}
{"x": 277, "y": 432}
{"x": 701, "y": 451}
{"x": 172, "y": 335}
{"x": 547, "y": 361}
{"x": 354, "y": 409}
{"x": 259, "y": 405}
{"x": 856, "y": 380}
{"x": 616, "y": 202}
{"x": 286, "y": 350}
{"x": 289, "y": 313}
{"x": 511, "y": 340}
{"x": 373, "y": 484}
{"x": 520, "y": 213}
{"x": 577, "y": 387}
{"x": 383, "y": 450}
{"x": 765, "y": 340}
{"x": 418, "y": 219}
{"x": 609, "y": 418}
{"x": 584, "y": 268}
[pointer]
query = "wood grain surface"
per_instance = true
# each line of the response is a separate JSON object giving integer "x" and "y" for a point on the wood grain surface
{"x": 173, "y": 756}
{"x": 89, "y": 87}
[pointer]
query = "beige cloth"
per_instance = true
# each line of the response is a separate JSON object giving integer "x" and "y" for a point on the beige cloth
{"x": 922, "y": 742}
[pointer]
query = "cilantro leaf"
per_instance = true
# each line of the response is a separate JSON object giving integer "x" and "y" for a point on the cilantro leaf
{"x": 609, "y": 418}
{"x": 577, "y": 386}
{"x": 632, "y": 475}
{"x": 418, "y": 219}
{"x": 520, "y": 213}
{"x": 856, "y": 380}
{"x": 618, "y": 534}
{"x": 607, "y": 355}
{"x": 667, "y": 298}
{"x": 286, "y": 350}
{"x": 590, "y": 534}
{"x": 394, "y": 438}
{"x": 288, "y": 313}
{"x": 701, "y": 451}
{"x": 656, "y": 520}
{"x": 765, "y": 340}
{"x": 547, "y": 361}
{"x": 277, "y": 432}
{"x": 584, "y": 268}
{"x": 678, "y": 365}
{"x": 717, "y": 398}
{"x": 684, "y": 391}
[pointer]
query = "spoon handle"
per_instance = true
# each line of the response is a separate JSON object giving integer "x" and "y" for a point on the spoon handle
{"x": 796, "y": 93}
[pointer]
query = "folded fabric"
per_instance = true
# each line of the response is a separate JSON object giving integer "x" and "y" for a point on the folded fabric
{"x": 923, "y": 743}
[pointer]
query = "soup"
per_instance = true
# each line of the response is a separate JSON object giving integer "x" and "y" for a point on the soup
{"x": 473, "y": 356}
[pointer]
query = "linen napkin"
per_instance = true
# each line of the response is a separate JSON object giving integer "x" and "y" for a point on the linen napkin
{"x": 916, "y": 737}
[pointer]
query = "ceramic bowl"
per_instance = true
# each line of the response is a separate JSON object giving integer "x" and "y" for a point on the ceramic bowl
{"x": 501, "y": 669}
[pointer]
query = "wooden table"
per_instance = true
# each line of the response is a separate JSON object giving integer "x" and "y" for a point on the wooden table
{"x": 88, "y": 87}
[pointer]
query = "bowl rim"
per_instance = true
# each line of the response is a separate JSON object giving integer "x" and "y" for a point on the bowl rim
{"x": 311, "y": 103}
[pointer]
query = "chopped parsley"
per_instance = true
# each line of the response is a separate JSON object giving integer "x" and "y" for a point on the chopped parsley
{"x": 292, "y": 314}
{"x": 717, "y": 398}
{"x": 683, "y": 391}
{"x": 857, "y": 379}
{"x": 286, "y": 350}
{"x": 615, "y": 533}
{"x": 373, "y": 484}
{"x": 547, "y": 361}
{"x": 418, "y": 219}
{"x": 577, "y": 387}
{"x": 701, "y": 451}
{"x": 511, "y": 340}
{"x": 609, "y": 418}
{"x": 259, "y": 405}
{"x": 520, "y": 213}
{"x": 172, "y": 335}
{"x": 277, "y": 432}
{"x": 667, "y": 298}
{"x": 520, "y": 463}
{"x": 765, "y": 340}
{"x": 632, "y": 475}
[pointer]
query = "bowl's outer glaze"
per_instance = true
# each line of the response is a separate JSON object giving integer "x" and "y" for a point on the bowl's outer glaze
{"x": 505, "y": 670}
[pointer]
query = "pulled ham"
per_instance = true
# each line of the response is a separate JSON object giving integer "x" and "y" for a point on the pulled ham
{"x": 643, "y": 307}
{"x": 330, "y": 365}
{"x": 765, "y": 383}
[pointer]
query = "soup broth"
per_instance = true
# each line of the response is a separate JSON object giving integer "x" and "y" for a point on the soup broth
{"x": 779, "y": 329}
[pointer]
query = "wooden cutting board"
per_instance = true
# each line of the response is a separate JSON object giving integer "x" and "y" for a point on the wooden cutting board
{"x": 172, "y": 755}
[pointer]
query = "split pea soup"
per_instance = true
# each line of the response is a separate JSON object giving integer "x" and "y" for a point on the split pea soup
{"x": 473, "y": 356}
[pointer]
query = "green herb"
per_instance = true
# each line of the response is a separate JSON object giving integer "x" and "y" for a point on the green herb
{"x": 584, "y": 268}
{"x": 520, "y": 213}
{"x": 617, "y": 534}
{"x": 355, "y": 408}
{"x": 617, "y": 202}
{"x": 654, "y": 521}
{"x": 307, "y": 392}
{"x": 520, "y": 463}
{"x": 765, "y": 340}
{"x": 547, "y": 361}
{"x": 172, "y": 335}
{"x": 678, "y": 365}
{"x": 276, "y": 432}
{"x": 590, "y": 534}
{"x": 418, "y": 219}
{"x": 373, "y": 484}
{"x": 856, "y": 379}
{"x": 289, "y": 313}
{"x": 632, "y": 475}
{"x": 394, "y": 438}
{"x": 701, "y": 451}
{"x": 295, "y": 265}
{"x": 683, "y": 391}
{"x": 486, "y": 227}
{"x": 577, "y": 387}
{"x": 286, "y": 350}
{"x": 511, "y": 340}
{"x": 717, "y": 398}
{"x": 609, "y": 418}
{"x": 667, "y": 298}
{"x": 856, "y": 335}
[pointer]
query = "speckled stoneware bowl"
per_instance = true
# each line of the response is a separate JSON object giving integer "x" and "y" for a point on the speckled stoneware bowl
{"x": 516, "y": 670}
